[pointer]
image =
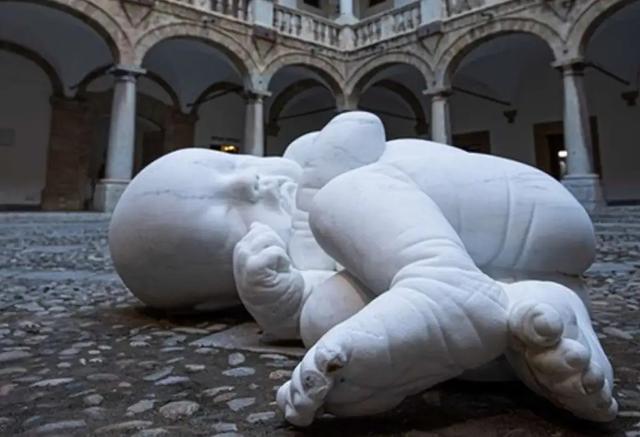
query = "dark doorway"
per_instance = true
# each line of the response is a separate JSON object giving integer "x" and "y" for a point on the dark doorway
{"x": 476, "y": 142}
{"x": 551, "y": 155}
{"x": 152, "y": 147}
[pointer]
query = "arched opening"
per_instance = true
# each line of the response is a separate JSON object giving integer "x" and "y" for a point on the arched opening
{"x": 195, "y": 70}
{"x": 301, "y": 101}
{"x": 155, "y": 109}
{"x": 394, "y": 93}
{"x": 43, "y": 161}
{"x": 25, "y": 114}
{"x": 507, "y": 100}
{"x": 613, "y": 86}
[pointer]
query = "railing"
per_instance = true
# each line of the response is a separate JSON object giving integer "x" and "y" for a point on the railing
{"x": 306, "y": 26}
{"x": 319, "y": 30}
{"x": 232, "y": 8}
{"x": 387, "y": 24}
{"x": 455, "y": 7}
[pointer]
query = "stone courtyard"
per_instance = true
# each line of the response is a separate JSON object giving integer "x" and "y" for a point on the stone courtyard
{"x": 81, "y": 356}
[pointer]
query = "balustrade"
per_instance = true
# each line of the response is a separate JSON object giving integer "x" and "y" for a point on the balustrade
{"x": 232, "y": 8}
{"x": 388, "y": 24}
{"x": 305, "y": 26}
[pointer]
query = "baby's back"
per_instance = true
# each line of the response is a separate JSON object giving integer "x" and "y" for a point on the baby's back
{"x": 509, "y": 215}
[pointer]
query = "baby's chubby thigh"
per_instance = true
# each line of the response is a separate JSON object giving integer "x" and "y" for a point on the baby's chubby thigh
{"x": 374, "y": 221}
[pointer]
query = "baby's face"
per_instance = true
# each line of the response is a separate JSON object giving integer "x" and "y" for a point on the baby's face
{"x": 174, "y": 230}
{"x": 254, "y": 191}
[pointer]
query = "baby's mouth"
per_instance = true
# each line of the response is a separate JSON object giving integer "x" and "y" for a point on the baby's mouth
{"x": 287, "y": 196}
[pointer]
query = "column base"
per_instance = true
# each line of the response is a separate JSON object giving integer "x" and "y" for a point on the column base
{"x": 107, "y": 194}
{"x": 587, "y": 189}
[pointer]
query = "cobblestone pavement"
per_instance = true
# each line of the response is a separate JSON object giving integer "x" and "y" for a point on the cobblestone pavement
{"x": 80, "y": 356}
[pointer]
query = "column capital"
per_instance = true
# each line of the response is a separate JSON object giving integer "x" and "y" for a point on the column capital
{"x": 253, "y": 95}
{"x": 570, "y": 65}
{"x": 438, "y": 92}
{"x": 126, "y": 72}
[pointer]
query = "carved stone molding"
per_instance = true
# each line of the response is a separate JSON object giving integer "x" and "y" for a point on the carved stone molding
{"x": 137, "y": 10}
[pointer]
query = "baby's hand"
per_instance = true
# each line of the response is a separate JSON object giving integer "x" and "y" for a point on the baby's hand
{"x": 269, "y": 287}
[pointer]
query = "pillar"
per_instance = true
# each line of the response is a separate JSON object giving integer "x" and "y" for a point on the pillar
{"x": 254, "y": 123}
{"x": 581, "y": 179}
{"x": 121, "y": 147}
{"x": 262, "y": 12}
{"x": 440, "y": 116}
{"x": 432, "y": 11}
{"x": 346, "y": 13}
{"x": 67, "y": 183}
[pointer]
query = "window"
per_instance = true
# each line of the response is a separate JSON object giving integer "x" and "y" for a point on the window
{"x": 314, "y": 3}
{"x": 373, "y": 3}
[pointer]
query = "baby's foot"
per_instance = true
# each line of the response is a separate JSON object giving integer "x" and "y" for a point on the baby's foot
{"x": 271, "y": 290}
{"x": 555, "y": 351}
{"x": 302, "y": 398}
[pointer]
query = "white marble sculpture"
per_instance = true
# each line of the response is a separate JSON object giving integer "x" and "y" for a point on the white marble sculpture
{"x": 400, "y": 264}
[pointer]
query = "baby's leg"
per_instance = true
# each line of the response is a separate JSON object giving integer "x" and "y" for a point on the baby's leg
{"x": 440, "y": 315}
{"x": 555, "y": 351}
{"x": 330, "y": 303}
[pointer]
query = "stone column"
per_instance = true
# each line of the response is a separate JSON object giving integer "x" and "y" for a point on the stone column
{"x": 262, "y": 12}
{"x": 254, "y": 123}
{"x": 440, "y": 117}
{"x": 581, "y": 178}
{"x": 121, "y": 147}
{"x": 346, "y": 13}
{"x": 67, "y": 182}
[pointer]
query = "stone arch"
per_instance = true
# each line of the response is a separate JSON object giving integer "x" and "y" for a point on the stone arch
{"x": 359, "y": 80}
{"x": 238, "y": 54}
{"x": 45, "y": 66}
{"x": 284, "y": 97}
{"x": 588, "y": 21}
{"x": 219, "y": 89}
{"x": 422, "y": 126}
{"x": 453, "y": 53}
{"x": 100, "y": 20}
{"x": 101, "y": 71}
{"x": 323, "y": 67}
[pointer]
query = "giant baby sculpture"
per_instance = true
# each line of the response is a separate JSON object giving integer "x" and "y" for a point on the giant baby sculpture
{"x": 401, "y": 264}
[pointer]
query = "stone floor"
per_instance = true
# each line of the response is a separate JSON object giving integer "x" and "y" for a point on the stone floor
{"x": 80, "y": 356}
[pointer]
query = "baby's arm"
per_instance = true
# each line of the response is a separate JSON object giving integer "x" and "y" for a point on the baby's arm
{"x": 270, "y": 288}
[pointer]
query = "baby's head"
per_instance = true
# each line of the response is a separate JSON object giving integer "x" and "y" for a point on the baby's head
{"x": 174, "y": 229}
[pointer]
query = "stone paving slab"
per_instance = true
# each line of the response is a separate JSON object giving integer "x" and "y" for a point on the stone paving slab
{"x": 248, "y": 337}
{"x": 80, "y": 356}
